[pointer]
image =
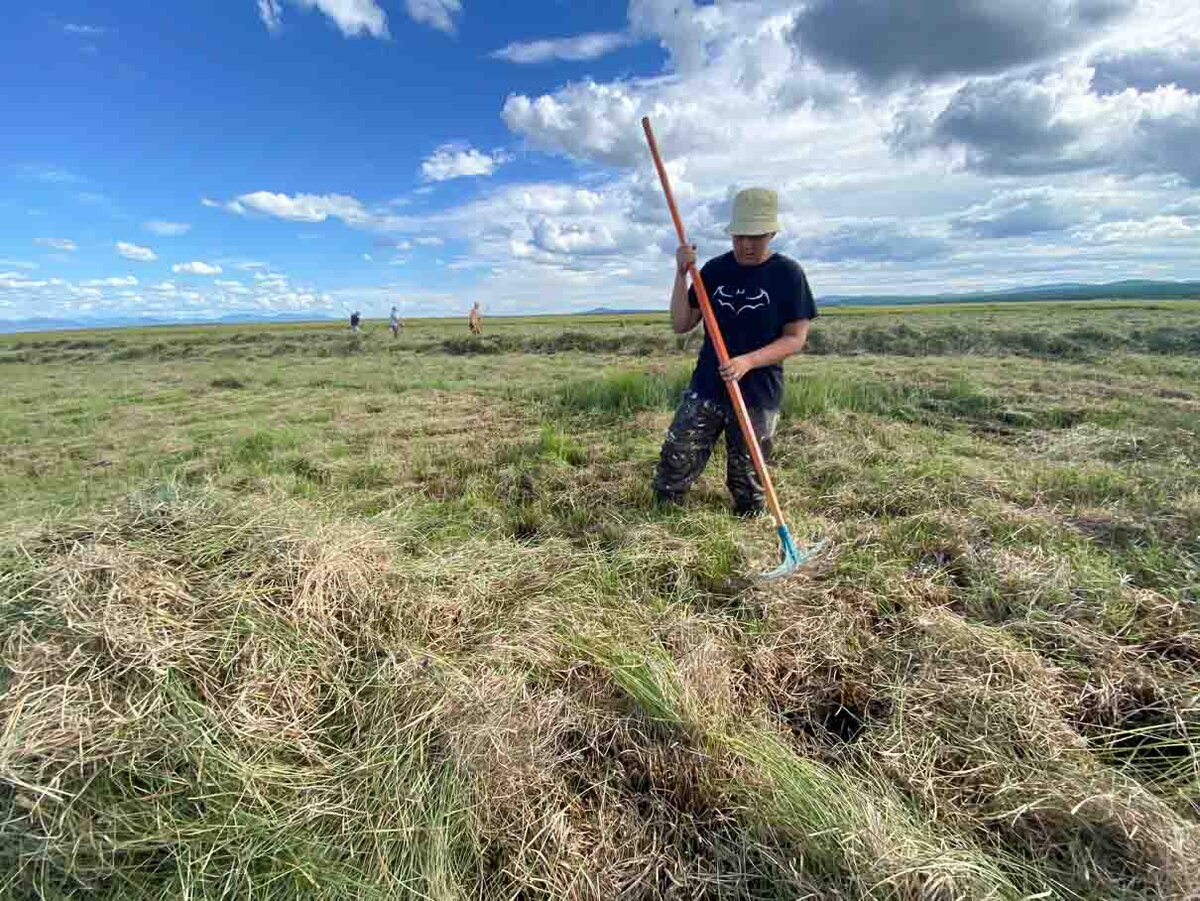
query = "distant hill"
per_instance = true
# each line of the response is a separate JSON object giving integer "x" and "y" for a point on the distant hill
{"x": 1130, "y": 289}
{"x": 47, "y": 324}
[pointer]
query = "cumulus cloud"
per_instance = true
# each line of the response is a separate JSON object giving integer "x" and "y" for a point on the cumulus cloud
{"x": 1189, "y": 206}
{"x": 196, "y": 268}
{"x": 301, "y": 207}
{"x": 168, "y": 229}
{"x": 352, "y": 17}
{"x": 573, "y": 49}
{"x": 83, "y": 29}
{"x": 437, "y": 14}
{"x": 687, "y": 30}
{"x": 66, "y": 245}
{"x": 888, "y": 242}
{"x": 136, "y": 252}
{"x": 100, "y": 299}
{"x": 1147, "y": 68}
{"x": 754, "y": 89}
{"x": 555, "y": 236}
{"x": 125, "y": 281}
{"x": 14, "y": 281}
{"x": 364, "y": 17}
{"x": 1157, "y": 228}
{"x": 588, "y": 120}
{"x": 271, "y": 14}
{"x": 886, "y": 39}
{"x": 1021, "y": 212}
{"x": 459, "y": 161}
{"x": 1023, "y": 125}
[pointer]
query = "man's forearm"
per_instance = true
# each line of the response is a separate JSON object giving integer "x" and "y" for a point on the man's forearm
{"x": 778, "y": 350}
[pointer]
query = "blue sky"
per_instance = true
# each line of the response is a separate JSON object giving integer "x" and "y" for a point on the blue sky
{"x": 267, "y": 156}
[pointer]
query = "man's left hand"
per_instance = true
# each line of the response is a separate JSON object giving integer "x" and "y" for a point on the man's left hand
{"x": 736, "y": 369}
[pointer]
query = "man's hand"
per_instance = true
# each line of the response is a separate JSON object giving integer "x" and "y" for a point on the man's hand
{"x": 685, "y": 258}
{"x": 736, "y": 368}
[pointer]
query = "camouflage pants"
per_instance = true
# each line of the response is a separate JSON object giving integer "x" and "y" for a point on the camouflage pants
{"x": 693, "y": 433}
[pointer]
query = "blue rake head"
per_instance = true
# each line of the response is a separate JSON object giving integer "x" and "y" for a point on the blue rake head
{"x": 793, "y": 557}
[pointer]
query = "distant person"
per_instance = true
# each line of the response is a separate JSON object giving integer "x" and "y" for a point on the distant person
{"x": 475, "y": 320}
{"x": 764, "y": 307}
{"x": 394, "y": 323}
{"x": 355, "y": 320}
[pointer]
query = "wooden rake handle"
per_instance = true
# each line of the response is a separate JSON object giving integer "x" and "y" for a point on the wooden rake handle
{"x": 714, "y": 335}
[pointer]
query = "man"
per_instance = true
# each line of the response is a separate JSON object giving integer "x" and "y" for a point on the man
{"x": 475, "y": 320}
{"x": 355, "y": 319}
{"x": 764, "y": 306}
{"x": 394, "y": 322}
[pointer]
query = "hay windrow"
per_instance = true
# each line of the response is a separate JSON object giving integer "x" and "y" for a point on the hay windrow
{"x": 400, "y": 620}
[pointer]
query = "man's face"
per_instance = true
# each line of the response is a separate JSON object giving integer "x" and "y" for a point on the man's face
{"x": 750, "y": 250}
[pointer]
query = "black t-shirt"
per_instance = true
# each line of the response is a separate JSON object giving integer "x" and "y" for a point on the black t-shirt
{"x": 752, "y": 305}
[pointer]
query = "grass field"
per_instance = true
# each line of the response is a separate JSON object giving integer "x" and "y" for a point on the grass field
{"x": 287, "y": 614}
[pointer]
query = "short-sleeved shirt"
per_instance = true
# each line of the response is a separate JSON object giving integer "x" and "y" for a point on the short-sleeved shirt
{"x": 752, "y": 305}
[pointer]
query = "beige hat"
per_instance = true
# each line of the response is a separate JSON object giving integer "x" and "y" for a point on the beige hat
{"x": 755, "y": 212}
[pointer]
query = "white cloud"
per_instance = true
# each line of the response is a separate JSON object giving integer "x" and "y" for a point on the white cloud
{"x": 17, "y": 264}
{"x": 1023, "y": 211}
{"x": 1157, "y": 228}
{"x": 136, "y": 252}
{"x": 301, "y": 207}
{"x": 209, "y": 202}
{"x": 1054, "y": 123}
{"x": 437, "y": 14}
{"x": 47, "y": 172}
{"x": 95, "y": 198}
{"x": 393, "y": 244}
{"x": 275, "y": 280}
{"x": 15, "y": 281}
{"x": 876, "y": 241}
{"x": 89, "y": 30}
{"x": 368, "y": 258}
{"x": 321, "y": 207}
{"x": 364, "y": 17}
{"x": 168, "y": 229}
{"x": 426, "y": 241}
{"x": 196, "y": 268}
{"x": 574, "y": 49}
{"x": 124, "y": 281}
{"x": 687, "y": 30}
{"x": 63, "y": 244}
{"x": 459, "y": 161}
{"x": 271, "y": 14}
{"x": 589, "y": 120}
{"x": 352, "y": 17}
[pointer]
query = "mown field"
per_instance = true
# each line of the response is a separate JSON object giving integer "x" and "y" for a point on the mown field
{"x": 288, "y": 614}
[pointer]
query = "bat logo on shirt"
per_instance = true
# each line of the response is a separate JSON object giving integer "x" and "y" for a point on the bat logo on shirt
{"x": 738, "y": 302}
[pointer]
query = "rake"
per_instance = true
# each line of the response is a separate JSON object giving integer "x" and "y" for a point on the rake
{"x": 793, "y": 557}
